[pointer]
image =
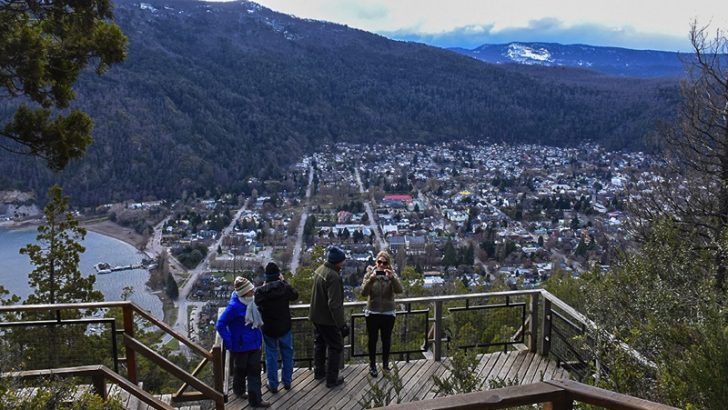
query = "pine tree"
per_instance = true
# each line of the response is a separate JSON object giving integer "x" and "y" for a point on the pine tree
{"x": 171, "y": 288}
{"x": 449, "y": 257}
{"x": 43, "y": 49}
{"x": 56, "y": 277}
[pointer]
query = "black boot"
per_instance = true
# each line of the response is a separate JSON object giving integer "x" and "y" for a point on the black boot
{"x": 319, "y": 363}
{"x": 332, "y": 369}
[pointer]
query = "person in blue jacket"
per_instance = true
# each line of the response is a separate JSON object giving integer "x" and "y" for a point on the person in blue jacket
{"x": 239, "y": 327}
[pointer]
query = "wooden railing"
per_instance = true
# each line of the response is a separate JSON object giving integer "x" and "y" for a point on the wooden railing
{"x": 546, "y": 325}
{"x": 130, "y": 312}
{"x": 554, "y": 394}
{"x": 99, "y": 376}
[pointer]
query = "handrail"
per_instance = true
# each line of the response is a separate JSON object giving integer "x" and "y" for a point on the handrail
{"x": 98, "y": 374}
{"x": 174, "y": 369}
{"x": 112, "y": 304}
{"x": 169, "y": 330}
{"x": 446, "y": 298}
{"x": 63, "y": 306}
{"x": 219, "y": 359}
{"x": 593, "y": 326}
{"x": 560, "y": 394}
{"x": 548, "y": 297}
{"x": 220, "y": 372}
{"x": 133, "y": 345}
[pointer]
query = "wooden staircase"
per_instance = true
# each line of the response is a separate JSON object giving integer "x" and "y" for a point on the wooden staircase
{"x": 132, "y": 403}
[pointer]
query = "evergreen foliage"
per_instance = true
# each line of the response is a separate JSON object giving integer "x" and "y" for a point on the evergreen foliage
{"x": 662, "y": 302}
{"x": 384, "y": 393}
{"x": 51, "y": 394}
{"x": 171, "y": 288}
{"x": 43, "y": 50}
{"x": 192, "y": 113}
{"x": 56, "y": 277}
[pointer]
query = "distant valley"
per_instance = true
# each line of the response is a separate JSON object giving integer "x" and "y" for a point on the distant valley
{"x": 213, "y": 93}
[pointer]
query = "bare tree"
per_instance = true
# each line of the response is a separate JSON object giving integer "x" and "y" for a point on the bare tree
{"x": 692, "y": 187}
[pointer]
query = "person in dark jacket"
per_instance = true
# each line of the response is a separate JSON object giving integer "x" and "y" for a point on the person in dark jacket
{"x": 380, "y": 285}
{"x": 239, "y": 327}
{"x": 272, "y": 299}
{"x": 327, "y": 315}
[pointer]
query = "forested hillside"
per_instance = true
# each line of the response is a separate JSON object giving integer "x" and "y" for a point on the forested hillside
{"x": 212, "y": 93}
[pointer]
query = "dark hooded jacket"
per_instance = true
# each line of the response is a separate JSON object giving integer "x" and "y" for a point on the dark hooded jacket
{"x": 272, "y": 300}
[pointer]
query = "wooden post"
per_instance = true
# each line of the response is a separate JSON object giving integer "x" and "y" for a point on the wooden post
{"x": 438, "y": 331}
{"x": 546, "y": 328}
{"x": 131, "y": 369}
{"x": 99, "y": 381}
{"x": 563, "y": 401}
{"x": 532, "y": 325}
{"x": 218, "y": 369}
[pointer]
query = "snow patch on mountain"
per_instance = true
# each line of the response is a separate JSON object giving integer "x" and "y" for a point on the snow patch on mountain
{"x": 527, "y": 55}
{"x": 147, "y": 6}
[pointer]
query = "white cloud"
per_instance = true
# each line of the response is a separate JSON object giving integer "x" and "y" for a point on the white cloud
{"x": 648, "y": 19}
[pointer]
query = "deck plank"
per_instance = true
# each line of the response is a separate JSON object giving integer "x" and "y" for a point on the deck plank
{"x": 522, "y": 369}
{"x": 420, "y": 386}
{"x": 442, "y": 373}
{"x": 531, "y": 371}
{"x": 421, "y": 376}
{"x": 540, "y": 371}
{"x": 512, "y": 373}
{"x": 416, "y": 376}
{"x": 503, "y": 369}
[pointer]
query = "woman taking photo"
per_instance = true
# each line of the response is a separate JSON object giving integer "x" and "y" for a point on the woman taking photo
{"x": 380, "y": 285}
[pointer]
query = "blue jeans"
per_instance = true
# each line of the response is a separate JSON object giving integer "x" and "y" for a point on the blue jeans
{"x": 272, "y": 346}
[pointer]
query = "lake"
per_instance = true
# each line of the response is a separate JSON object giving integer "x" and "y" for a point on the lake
{"x": 14, "y": 267}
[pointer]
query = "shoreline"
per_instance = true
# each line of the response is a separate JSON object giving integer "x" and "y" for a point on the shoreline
{"x": 104, "y": 227}
{"x": 116, "y": 231}
{"x": 112, "y": 230}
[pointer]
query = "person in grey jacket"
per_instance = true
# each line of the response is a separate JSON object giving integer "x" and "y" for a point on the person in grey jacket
{"x": 327, "y": 315}
{"x": 380, "y": 285}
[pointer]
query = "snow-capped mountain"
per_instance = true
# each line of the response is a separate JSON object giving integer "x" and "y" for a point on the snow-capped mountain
{"x": 607, "y": 60}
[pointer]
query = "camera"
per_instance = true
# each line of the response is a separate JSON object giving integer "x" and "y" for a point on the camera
{"x": 380, "y": 272}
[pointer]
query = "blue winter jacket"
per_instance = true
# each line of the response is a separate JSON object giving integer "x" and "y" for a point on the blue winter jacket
{"x": 238, "y": 336}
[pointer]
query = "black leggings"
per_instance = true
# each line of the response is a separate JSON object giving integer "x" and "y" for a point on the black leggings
{"x": 375, "y": 324}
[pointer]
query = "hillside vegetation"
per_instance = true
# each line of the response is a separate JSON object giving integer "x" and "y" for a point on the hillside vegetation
{"x": 212, "y": 93}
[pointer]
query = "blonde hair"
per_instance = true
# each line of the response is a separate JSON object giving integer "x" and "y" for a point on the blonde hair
{"x": 385, "y": 255}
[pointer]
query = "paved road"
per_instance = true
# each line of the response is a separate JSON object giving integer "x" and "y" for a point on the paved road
{"x": 296, "y": 256}
{"x": 368, "y": 207}
{"x": 154, "y": 246}
{"x": 181, "y": 325}
{"x": 154, "y": 249}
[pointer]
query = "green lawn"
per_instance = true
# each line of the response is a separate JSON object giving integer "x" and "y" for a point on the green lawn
{"x": 173, "y": 345}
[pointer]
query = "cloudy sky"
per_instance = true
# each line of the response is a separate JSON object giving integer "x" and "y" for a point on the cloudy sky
{"x": 640, "y": 24}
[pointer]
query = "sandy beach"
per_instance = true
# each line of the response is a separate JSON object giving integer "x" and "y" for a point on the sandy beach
{"x": 104, "y": 227}
{"x": 119, "y": 232}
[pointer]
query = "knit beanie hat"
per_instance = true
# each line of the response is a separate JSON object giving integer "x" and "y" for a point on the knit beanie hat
{"x": 242, "y": 286}
{"x": 335, "y": 255}
{"x": 272, "y": 272}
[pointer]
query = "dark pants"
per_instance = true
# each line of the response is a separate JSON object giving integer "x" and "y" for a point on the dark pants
{"x": 379, "y": 324}
{"x": 328, "y": 346}
{"x": 247, "y": 366}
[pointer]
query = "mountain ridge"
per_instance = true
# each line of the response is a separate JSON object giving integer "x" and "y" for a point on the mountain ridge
{"x": 213, "y": 93}
{"x": 617, "y": 61}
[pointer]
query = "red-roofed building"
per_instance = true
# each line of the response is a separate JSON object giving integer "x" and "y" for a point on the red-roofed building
{"x": 406, "y": 198}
